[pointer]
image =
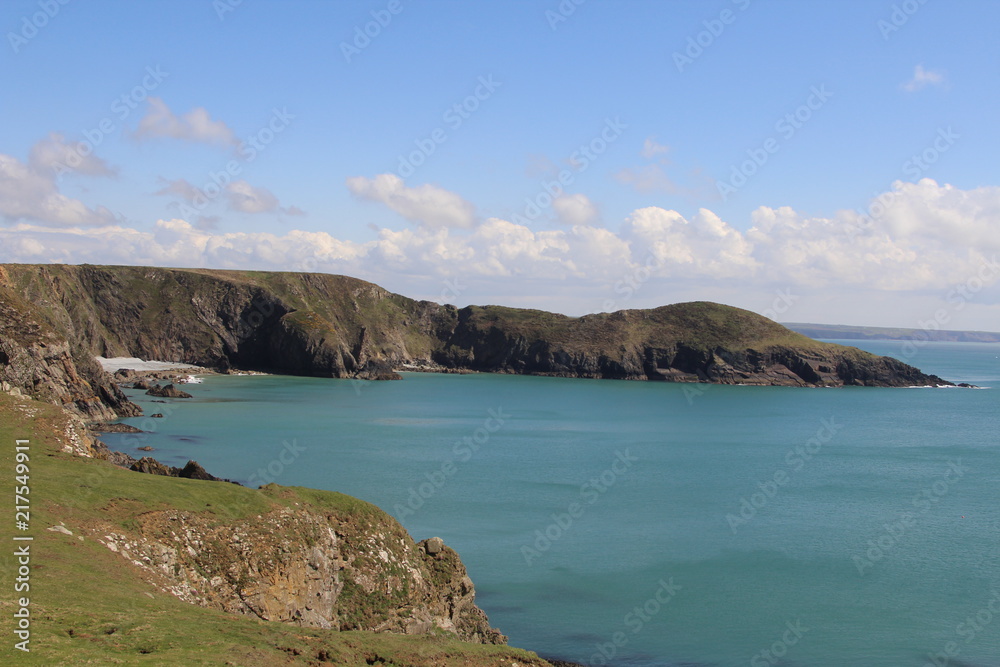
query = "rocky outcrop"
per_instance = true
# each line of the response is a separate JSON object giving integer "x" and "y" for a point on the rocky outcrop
{"x": 167, "y": 391}
{"x": 36, "y": 360}
{"x": 346, "y": 571}
{"x": 334, "y": 326}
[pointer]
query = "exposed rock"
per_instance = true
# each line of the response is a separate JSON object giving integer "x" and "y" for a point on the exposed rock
{"x": 330, "y": 570}
{"x": 334, "y": 326}
{"x": 192, "y": 470}
{"x": 168, "y": 391}
{"x": 433, "y": 546}
{"x": 151, "y": 466}
{"x": 147, "y": 448}
{"x": 38, "y": 361}
{"x": 156, "y": 415}
{"x": 103, "y": 427}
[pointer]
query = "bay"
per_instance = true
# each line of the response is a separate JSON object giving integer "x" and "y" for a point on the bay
{"x": 637, "y": 523}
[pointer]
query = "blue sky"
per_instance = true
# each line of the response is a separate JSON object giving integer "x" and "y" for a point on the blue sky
{"x": 832, "y": 98}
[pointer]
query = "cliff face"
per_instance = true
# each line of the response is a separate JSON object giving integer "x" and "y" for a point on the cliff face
{"x": 357, "y": 571}
{"x": 334, "y": 326}
{"x": 38, "y": 361}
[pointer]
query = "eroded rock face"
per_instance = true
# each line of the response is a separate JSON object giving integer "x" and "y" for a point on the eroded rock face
{"x": 36, "y": 361}
{"x": 311, "y": 569}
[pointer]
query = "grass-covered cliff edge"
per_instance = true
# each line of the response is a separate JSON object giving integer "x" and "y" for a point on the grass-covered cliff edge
{"x": 335, "y": 326}
{"x": 136, "y": 569}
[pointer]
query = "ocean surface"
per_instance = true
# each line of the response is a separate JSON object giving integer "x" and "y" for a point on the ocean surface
{"x": 640, "y": 523}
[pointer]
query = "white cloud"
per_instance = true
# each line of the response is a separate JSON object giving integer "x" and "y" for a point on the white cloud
{"x": 427, "y": 205}
{"x": 196, "y": 125}
{"x": 650, "y": 148}
{"x": 923, "y": 77}
{"x": 29, "y": 191}
{"x": 54, "y": 155}
{"x": 243, "y": 197}
{"x": 238, "y": 195}
{"x": 648, "y": 178}
{"x": 180, "y": 188}
{"x": 575, "y": 209}
{"x": 931, "y": 238}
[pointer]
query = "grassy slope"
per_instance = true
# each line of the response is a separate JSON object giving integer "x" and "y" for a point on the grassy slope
{"x": 90, "y": 606}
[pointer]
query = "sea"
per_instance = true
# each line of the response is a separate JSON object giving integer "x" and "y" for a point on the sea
{"x": 633, "y": 523}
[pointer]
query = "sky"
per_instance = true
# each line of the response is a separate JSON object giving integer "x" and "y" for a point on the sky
{"x": 829, "y": 162}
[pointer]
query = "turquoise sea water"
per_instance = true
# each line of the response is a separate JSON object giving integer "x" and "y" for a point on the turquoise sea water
{"x": 637, "y": 523}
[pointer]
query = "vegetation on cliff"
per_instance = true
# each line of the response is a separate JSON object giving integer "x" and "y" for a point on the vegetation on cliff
{"x": 335, "y": 326}
{"x": 149, "y": 570}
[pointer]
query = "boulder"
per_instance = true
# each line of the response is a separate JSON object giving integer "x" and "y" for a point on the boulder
{"x": 169, "y": 391}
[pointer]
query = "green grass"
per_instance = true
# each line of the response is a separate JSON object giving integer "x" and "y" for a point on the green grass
{"x": 90, "y": 606}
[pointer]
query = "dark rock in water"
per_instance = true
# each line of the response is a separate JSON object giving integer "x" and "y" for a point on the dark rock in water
{"x": 151, "y": 466}
{"x": 193, "y": 470}
{"x": 141, "y": 384}
{"x": 377, "y": 370}
{"x": 169, "y": 391}
{"x": 147, "y": 448}
{"x": 156, "y": 415}
{"x": 114, "y": 428}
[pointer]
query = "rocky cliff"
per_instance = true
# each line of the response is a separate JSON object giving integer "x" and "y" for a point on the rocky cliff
{"x": 38, "y": 360}
{"x": 310, "y": 566}
{"x": 335, "y": 326}
{"x": 343, "y": 582}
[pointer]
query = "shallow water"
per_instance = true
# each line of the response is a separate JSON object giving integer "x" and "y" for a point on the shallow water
{"x": 601, "y": 520}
